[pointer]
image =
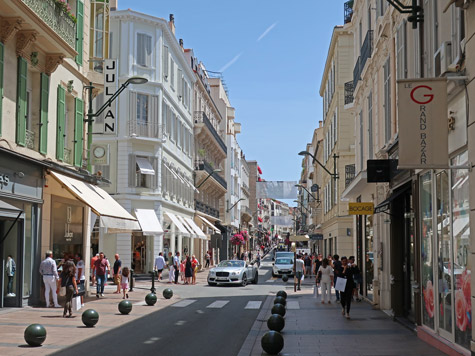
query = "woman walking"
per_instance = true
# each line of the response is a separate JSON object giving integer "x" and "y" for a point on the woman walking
{"x": 68, "y": 279}
{"x": 194, "y": 266}
{"x": 188, "y": 270}
{"x": 325, "y": 278}
{"x": 345, "y": 296}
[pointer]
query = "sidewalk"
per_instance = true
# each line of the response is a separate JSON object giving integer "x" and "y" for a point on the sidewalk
{"x": 312, "y": 328}
{"x": 59, "y": 335}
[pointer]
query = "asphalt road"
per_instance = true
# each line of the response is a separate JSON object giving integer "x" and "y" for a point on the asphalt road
{"x": 208, "y": 321}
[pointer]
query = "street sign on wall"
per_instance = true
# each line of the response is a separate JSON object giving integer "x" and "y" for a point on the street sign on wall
{"x": 111, "y": 82}
{"x": 360, "y": 208}
{"x": 422, "y": 116}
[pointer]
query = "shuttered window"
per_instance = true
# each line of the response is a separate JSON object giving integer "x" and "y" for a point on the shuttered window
{"x": 60, "y": 123}
{"x": 370, "y": 126}
{"x": 78, "y": 131}
{"x": 2, "y": 49}
{"x": 44, "y": 113}
{"x": 165, "y": 60}
{"x": 172, "y": 74}
{"x": 21, "y": 114}
{"x": 180, "y": 80}
{"x": 387, "y": 101}
{"x": 79, "y": 31}
{"x": 144, "y": 50}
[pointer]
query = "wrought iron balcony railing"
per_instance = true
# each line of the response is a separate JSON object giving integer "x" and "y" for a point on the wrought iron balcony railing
{"x": 200, "y": 117}
{"x": 204, "y": 208}
{"x": 349, "y": 174}
{"x": 202, "y": 165}
{"x": 365, "y": 53}
{"x": 349, "y": 88}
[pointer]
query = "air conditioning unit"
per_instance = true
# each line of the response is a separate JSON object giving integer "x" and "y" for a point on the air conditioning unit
{"x": 443, "y": 59}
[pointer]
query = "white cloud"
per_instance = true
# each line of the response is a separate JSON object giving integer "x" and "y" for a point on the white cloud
{"x": 230, "y": 63}
{"x": 264, "y": 34}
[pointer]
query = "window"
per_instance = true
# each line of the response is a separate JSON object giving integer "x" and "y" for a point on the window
{"x": 142, "y": 171}
{"x": 387, "y": 100}
{"x": 101, "y": 39}
{"x": 401, "y": 45}
{"x": 176, "y": 123}
{"x": 165, "y": 62}
{"x": 142, "y": 108}
{"x": 164, "y": 117}
{"x": 79, "y": 31}
{"x": 361, "y": 140}
{"x": 144, "y": 50}
{"x": 179, "y": 127}
{"x": 370, "y": 125}
{"x": 172, "y": 74}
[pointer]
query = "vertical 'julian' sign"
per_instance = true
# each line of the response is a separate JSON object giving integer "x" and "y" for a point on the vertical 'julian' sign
{"x": 422, "y": 116}
{"x": 110, "y": 87}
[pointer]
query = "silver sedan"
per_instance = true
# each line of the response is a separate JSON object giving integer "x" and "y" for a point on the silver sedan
{"x": 233, "y": 272}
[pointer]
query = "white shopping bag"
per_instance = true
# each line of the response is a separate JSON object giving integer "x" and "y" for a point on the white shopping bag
{"x": 340, "y": 284}
{"x": 76, "y": 303}
{"x": 303, "y": 277}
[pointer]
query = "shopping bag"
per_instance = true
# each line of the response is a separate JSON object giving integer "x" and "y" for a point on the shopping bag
{"x": 303, "y": 277}
{"x": 340, "y": 284}
{"x": 315, "y": 291}
{"x": 77, "y": 303}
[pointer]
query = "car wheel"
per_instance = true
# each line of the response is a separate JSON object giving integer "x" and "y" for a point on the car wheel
{"x": 256, "y": 278}
{"x": 211, "y": 284}
{"x": 274, "y": 275}
{"x": 244, "y": 280}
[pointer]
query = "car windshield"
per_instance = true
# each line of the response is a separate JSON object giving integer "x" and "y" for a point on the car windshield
{"x": 283, "y": 261}
{"x": 231, "y": 264}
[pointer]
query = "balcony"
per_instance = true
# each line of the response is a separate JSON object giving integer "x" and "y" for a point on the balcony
{"x": 349, "y": 174}
{"x": 349, "y": 92}
{"x": 145, "y": 129}
{"x": 348, "y": 11}
{"x": 365, "y": 53}
{"x": 356, "y": 73}
{"x": 204, "y": 208}
{"x": 202, "y": 165}
{"x": 201, "y": 118}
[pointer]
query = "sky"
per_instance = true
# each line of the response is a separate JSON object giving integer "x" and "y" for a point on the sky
{"x": 272, "y": 54}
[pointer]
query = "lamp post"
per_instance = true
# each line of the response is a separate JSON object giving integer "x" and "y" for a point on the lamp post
{"x": 209, "y": 175}
{"x": 227, "y": 210}
{"x": 91, "y": 115}
{"x": 313, "y": 196}
{"x": 335, "y": 156}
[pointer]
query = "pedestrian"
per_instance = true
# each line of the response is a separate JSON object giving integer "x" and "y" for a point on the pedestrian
{"x": 93, "y": 274}
{"x": 171, "y": 272}
{"x": 207, "y": 258}
{"x": 80, "y": 276}
{"x": 250, "y": 256}
{"x": 176, "y": 266}
{"x": 100, "y": 267}
{"x": 242, "y": 256}
{"x": 117, "y": 270}
{"x": 299, "y": 270}
{"x": 188, "y": 270}
{"x": 318, "y": 263}
{"x": 258, "y": 258}
{"x": 49, "y": 272}
{"x": 347, "y": 273}
{"x": 159, "y": 265}
{"x": 325, "y": 279}
{"x": 68, "y": 279}
{"x": 124, "y": 281}
{"x": 194, "y": 265}
{"x": 182, "y": 269}
{"x": 337, "y": 269}
{"x": 10, "y": 268}
{"x": 308, "y": 264}
{"x": 357, "y": 278}
{"x": 108, "y": 270}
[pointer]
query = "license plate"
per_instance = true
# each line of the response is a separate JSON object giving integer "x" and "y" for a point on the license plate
{"x": 221, "y": 279}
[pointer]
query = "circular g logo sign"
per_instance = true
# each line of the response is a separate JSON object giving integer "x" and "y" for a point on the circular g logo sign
{"x": 429, "y": 97}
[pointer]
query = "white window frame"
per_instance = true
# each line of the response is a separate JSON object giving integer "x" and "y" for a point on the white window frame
{"x": 147, "y": 60}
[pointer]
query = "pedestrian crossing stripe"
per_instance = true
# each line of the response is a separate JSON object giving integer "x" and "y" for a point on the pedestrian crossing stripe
{"x": 252, "y": 304}
{"x": 293, "y": 304}
{"x": 184, "y": 303}
{"x": 218, "y": 304}
{"x": 270, "y": 281}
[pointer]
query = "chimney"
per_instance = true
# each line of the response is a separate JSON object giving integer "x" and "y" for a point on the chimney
{"x": 320, "y": 123}
{"x": 171, "y": 23}
{"x": 113, "y": 5}
{"x": 180, "y": 41}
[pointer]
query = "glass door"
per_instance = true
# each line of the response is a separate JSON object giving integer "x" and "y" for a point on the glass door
{"x": 11, "y": 259}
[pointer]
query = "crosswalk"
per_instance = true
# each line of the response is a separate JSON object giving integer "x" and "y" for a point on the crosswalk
{"x": 219, "y": 304}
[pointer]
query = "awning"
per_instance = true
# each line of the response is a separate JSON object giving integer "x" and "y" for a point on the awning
{"x": 178, "y": 224}
{"x": 112, "y": 215}
{"x": 9, "y": 211}
{"x": 144, "y": 166}
{"x": 149, "y": 222}
{"x": 187, "y": 227}
{"x": 195, "y": 228}
{"x": 206, "y": 221}
{"x": 384, "y": 206}
{"x": 299, "y": 238}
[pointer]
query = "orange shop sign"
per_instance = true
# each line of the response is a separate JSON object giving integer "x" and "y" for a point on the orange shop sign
{"x": 360, "y": 208}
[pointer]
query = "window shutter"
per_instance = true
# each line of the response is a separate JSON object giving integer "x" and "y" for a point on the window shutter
{"x": 44, "y": 113}
{"x": 155, "y": 177}
{"x": 172, "y": 74}
{"x": 78, "y": 132}
{"x": 1, "y": 83}
{"x": 165, "y": 62}
{"x": 180, "y": 86}
{"x": 164, "y": 116}
{"x": 132, "y": 171}
{"x": 169, "y": 121}
{"x": 79, "y": 31}
{"x": 60, "y": 123}
{"x": 21, "y": 102}
{"x": 140, "y": 49}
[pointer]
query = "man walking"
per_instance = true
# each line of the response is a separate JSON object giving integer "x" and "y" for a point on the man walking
{"x": 49, "y": 272}
{"x": 308, "y": 264}
{"x": 159, "y": 265}
{"x": 116, "y": 271}
{"x": 176, "y": 266}
{"x": 171, "y": 270}
{"x": 207, "y": 258}
{"x": 299, "y": 270}
{"x": 100, "y": 268}
{"x": 337, "y": 271}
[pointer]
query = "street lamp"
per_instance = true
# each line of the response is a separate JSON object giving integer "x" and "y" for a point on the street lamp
{"x": 227, "y": 210}
{"x": 209, "y": 175}
{"x": 91, "y": 115}
{"x": 334, "y": 174}
{"x": 313, "y": 196}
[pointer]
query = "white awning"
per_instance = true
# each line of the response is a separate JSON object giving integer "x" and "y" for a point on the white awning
{"x": 112, "y": 215}
{"x": 149, "y": 222}
{"x": 144, "y": 166}
{"x": 218, "y": 231}
{"x": 195, "y": 227}
{"x": 187, "y": 227}
{"x": 178, "y": 224}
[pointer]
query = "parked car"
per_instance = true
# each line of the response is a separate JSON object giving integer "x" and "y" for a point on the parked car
{"x": 283, "y": 265}
{"x": 233, "y": 272}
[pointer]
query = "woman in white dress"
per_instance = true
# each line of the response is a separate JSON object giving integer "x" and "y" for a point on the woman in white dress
{"x": 325, "y": 277}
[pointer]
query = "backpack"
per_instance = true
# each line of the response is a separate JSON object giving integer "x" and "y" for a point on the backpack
{"x": 13, "y": 266}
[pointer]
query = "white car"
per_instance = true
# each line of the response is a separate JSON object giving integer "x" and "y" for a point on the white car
{"x": 283, "y": 265}
{"x": 233, "y": 272}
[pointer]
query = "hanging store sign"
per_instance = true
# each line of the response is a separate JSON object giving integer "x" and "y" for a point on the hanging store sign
{"x": 422, "y": 116}
{"x": 111, "y": 82}
{"x": 360, "y": 208}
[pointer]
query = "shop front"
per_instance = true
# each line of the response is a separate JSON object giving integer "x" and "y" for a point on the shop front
{"x": 445, "y": 250}
{"x": 213, "y": 237}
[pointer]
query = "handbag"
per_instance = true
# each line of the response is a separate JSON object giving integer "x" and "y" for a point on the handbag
{"x": 62, "y": 291}
{"x": 340, "y": 284}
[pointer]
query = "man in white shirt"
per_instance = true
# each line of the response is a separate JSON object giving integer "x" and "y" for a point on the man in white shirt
{"x": 299, "y": 270}
{"x": 159, "y": 265}
{"x": 49, "y": 272}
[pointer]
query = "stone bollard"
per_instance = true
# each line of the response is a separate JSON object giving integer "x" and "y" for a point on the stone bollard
{"x": 285, "y": 278}
{"x": 281, "y": 293}
{"x": 90, "y": 317}
{"x": 125, "y": 307}
{"x": 280, "y": 300}
{"x": 35, "y": 334}
{"x": 151, "y": 299}
{"x": 272, "y": 342}
{"x": 276, "y": 322}
{"x": 278, "y": 309}
{"x": 167, "y": 293}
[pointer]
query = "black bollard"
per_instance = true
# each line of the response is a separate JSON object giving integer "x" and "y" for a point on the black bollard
{"x": 131, "y": 287}
{"x": 152, "y": 290}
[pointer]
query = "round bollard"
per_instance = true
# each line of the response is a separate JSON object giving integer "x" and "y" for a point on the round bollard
{"x": 35, "y": 334}
{"x": 151, "y": 299}
{"x": 285, "y": 278}
{"x": 167, "y": 293}
{"x": 90, "y": 317}
{"x": 276, "y": 322}
{"x": 272, "y": 342}
{"x": 282, "y": 293}
{"x": 280, "y": 300}
{"x": 278, "y": 309}
{"x": 125, "y": 307}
